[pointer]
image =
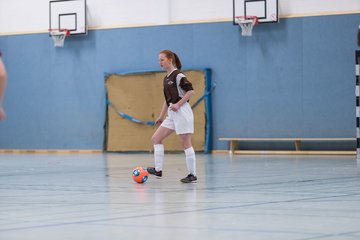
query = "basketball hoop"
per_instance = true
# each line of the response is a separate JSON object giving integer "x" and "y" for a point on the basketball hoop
{"x": 246, "y": 23}
{"x": 59, "y": 35}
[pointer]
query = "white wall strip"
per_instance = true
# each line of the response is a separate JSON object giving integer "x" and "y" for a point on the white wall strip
{"x": 27, "y": 17}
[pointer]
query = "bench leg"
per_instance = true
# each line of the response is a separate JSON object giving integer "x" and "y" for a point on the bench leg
{"x": 232, "y": 147}
{"x": 297, "y": 145}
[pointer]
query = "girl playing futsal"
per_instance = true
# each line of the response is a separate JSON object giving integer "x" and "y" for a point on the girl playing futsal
{"x": 180, "y": 119}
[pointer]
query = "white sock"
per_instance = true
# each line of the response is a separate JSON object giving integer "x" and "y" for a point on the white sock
{"x": 190, "y": 160}
{"x": 159, "y": 156}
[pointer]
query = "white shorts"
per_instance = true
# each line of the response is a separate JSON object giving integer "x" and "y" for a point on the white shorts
{"x": 181, "y": 121}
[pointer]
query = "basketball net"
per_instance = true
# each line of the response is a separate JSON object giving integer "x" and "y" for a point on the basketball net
{"x": 59, "y": 36}
{"x": 246, "y": 24}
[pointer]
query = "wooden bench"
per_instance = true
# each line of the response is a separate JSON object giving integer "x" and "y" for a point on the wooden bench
{"x": 297, "y": 142}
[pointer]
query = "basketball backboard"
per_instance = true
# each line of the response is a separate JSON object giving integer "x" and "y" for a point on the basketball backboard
{"x": 68, "y": 14}
{"x": 265, "y": 10}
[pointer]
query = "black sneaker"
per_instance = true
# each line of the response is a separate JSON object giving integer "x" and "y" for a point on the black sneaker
{"x": 152, "y": 171}
{"x": 189, "y": 179}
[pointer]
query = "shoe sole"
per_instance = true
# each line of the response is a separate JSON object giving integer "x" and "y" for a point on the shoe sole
{"x": 189, "y": 182}
{"x": 155, "y": 175}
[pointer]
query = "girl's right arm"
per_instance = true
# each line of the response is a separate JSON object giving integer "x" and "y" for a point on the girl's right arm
{"x": 163, "y": 112}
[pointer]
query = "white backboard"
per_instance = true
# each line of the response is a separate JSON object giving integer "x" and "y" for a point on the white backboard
{"x": 265, "y": 10}
{"x": 68, "y": 14}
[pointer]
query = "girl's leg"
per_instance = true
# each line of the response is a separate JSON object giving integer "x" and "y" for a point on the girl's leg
{"x": 160, "y": 134}
{"x": 189, "y": 153}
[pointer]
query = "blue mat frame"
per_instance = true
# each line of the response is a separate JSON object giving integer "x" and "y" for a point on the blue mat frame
{"x": 209, "y": 87}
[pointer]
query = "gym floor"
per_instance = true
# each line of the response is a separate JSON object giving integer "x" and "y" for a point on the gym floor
{"x": 80, "y": 196}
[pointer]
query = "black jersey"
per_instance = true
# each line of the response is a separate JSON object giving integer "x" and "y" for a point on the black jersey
{"x": 175, "y": 87}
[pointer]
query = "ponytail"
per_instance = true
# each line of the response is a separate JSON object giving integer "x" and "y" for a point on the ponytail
{"x": 177, "y": 62}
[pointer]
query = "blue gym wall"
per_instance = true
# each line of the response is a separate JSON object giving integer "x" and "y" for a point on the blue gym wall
{"x": 292, "y": 79}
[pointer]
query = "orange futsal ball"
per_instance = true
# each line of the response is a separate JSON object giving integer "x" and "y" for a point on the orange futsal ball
{"x": 140, "y": 175}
